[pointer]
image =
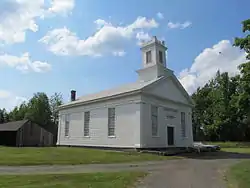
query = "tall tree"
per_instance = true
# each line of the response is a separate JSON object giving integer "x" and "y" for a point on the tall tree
{"x": 244, "y": 97}
{"x": 39, "y": 109}
{"x": 222, "y": 106}
{"x": 4, "y": 116}
{"x": 55, "y": 101}
{"x": 244, "y": 43}
{"x": 19, "y": 112}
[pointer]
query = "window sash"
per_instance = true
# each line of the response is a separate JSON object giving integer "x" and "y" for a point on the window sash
{"x": 86, "y": 123}
{"x": 183, "y": 124}
{"x": 67, "y": 121}
{"x": 154, "y": 126}
{"x": 111, "y": 122}
{"x": 154, "y": 120}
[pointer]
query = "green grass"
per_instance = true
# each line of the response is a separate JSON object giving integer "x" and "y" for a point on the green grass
{"x": 91, "y": 180}
{"x": 231, "y": 144}
{"x": 238, "y": 175}
{"x": 237, "y": 150}
{"x": 67, "y": 155}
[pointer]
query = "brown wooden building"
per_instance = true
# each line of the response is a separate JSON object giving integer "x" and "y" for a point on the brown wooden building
{"x": 25, "y": 133}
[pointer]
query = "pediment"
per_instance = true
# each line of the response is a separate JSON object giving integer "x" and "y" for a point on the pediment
{"x": 169, "y": 88}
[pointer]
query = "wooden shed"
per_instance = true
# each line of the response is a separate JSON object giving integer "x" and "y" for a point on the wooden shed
{"x": 24, "y": 133}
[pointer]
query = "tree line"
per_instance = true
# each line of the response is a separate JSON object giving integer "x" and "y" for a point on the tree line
{"x": 40, "y": 109}
{"x": 222, "y": 105}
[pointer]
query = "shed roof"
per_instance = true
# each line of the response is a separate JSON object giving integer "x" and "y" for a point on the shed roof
{"x": 12, "y": 126}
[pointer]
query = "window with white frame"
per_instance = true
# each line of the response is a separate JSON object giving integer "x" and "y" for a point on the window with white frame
{"x": 86, "y": 123}
{"x": 154, "y": 118}
{"x": 183, "y": 124}
{"x": 67, "y": 121}
{"x": 111, "y": 122}
{"x": 148, "y": 57}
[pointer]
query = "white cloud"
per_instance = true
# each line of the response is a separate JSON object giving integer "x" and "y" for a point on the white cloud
{"x": 143, "y": 23}
{"x": 179, "y": 25}
{"x": 24, "y": 63}
{"x": 100, "y": 23}
{"x": 61, "y": 6}
{"x": 222, "y": 56}
{"x": 142, "y": 37}
{"x": 119, "y": 53}
{"x": 19, "y": 16}
{"x": 160, "y": 15}
{"x": 107, "y": 39}
{"x": 9, "y": 100}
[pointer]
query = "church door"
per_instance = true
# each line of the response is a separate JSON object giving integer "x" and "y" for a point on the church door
{"x": 170, "y": 133}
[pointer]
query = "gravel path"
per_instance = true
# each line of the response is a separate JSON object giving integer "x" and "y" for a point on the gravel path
{"x": 192, "y": 173}
{"x": 183, "y": 173}
{"x": 52, "y": 169}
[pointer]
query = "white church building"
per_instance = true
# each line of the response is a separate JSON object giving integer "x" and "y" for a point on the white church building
{"x": 153, "y": 112}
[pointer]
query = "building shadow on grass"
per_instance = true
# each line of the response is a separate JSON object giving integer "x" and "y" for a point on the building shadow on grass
{"x": 216, "y": 155}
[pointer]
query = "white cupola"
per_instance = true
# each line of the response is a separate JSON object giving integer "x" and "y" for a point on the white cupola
{"x": 153, "y": 60}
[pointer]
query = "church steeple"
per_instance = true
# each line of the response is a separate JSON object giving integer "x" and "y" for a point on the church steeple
{"x": 154, "y": 52}
{"x": 153, "y": 60}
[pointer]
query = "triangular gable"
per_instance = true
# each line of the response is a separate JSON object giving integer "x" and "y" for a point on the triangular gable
{"x": 171, "y": 89}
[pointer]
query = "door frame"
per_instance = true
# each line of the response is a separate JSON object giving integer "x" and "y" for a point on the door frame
{"x": 166, "y": 132}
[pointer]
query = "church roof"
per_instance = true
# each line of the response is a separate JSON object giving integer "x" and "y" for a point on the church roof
{"x": 117, "y": 91}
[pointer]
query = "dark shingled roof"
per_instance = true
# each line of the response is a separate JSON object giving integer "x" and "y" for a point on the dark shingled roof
{"x": 12, "y": 126}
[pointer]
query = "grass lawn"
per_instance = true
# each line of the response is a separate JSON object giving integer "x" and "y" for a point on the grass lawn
{"x": 237, "y": 150}
{"x": 231, "y": 144}
{"x": 67, "y": 155}
{"x": 239, "y": 175}
{"x": 91, "y": 180}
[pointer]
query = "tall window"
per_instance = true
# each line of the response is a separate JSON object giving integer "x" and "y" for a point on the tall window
{"x": 111, "y": 122}
{"x": 148, "y": 57}
{"x": 183, "y": 124}
{"x": 154, "y": 118}
{"x": 67, "y": 120}
{"x": 86, "y": 123}
{"x": 160, "y": 57}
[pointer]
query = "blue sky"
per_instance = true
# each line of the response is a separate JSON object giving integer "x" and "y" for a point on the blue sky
{"x": 90, "y": 45}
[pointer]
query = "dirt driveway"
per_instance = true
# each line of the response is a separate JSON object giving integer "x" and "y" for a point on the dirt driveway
{"x": 188, "y": 173}
{"x": 200, "y": 171}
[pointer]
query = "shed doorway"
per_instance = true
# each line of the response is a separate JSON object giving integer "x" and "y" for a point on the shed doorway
{"x": 8, "y": 138}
